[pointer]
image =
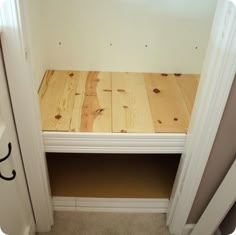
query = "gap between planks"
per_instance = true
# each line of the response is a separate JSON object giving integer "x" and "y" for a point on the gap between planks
{"x": 82, "y": 101}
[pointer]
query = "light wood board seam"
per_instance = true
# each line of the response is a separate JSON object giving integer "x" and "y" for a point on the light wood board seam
{"x": 186, "y": 107}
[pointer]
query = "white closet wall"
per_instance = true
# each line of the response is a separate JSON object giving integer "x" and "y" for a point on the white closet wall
{"x": 125, "y": 35}
{"x": 37, "y": 54}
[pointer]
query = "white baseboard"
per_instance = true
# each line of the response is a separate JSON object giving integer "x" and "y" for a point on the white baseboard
{"x": 128, "y": 205}
{"x": 188, "y": 228}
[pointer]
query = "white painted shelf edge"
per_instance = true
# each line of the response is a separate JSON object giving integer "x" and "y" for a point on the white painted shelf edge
{"x": 71, "y": 142}
{"x": 129, "y": 205}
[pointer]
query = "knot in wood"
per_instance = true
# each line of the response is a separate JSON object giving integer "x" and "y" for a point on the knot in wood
{"x": 123, "y": 131}
{"x": 58, "y": 116}
{"x": 120, "y": 90}
{"x": 99, "y": 111}
{"x": 164, "y": 74}
{"x": 177, "y": 74}
{"x": 155, "y": 90}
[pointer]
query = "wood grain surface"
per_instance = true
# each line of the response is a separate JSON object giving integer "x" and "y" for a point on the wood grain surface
{"x": 83, "y": 101}
{"x": 169, "y": 110}
{"x": 188, "y": 86}
{"x": 130, "y": 105}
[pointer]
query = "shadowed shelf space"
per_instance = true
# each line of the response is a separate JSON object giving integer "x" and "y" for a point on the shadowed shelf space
{"x": 112, "y": 175}
{"x": 116, "y": 102}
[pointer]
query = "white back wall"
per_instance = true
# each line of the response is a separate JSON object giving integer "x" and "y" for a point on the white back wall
{"x": 126, "y": 35}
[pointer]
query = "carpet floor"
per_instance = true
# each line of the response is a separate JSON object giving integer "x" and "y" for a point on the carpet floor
{"x": 91, "y": 223}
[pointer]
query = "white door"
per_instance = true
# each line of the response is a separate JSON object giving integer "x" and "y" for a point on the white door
{"x": 16, "y": 216}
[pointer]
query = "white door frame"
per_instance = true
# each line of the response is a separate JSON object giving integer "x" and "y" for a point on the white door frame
{"x": 26, "y": 113}
{"x": 220, "y": 204}
{"x": 217, "y": 78}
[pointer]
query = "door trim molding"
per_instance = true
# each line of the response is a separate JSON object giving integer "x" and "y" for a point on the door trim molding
{"x": 30, "y": 229}
{"x": 215, "y": 84}
{"x": 217, "y": 208}
{"x": 25, "y": 109}
{"x": 188, "y": 228}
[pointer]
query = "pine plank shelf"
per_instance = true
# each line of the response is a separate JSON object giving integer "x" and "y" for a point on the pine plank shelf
{"x": 112, "y": 111}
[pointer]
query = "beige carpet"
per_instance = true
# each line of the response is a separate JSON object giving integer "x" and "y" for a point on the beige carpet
{"x": 90, "y": 223}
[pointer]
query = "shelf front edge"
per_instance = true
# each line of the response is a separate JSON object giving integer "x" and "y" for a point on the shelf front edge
{"x": 70, "y": 142}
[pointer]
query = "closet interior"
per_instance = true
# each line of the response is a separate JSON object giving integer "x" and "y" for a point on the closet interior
{"x": 116, "y": 83}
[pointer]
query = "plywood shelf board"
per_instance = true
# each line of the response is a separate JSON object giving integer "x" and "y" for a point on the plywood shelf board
{"x": 115, "y": 176}
{"x": 81, "y": 101}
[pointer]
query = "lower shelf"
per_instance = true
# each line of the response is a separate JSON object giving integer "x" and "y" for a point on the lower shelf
{"x": 112, "y": 175}
{"x": 129, "y": 205}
